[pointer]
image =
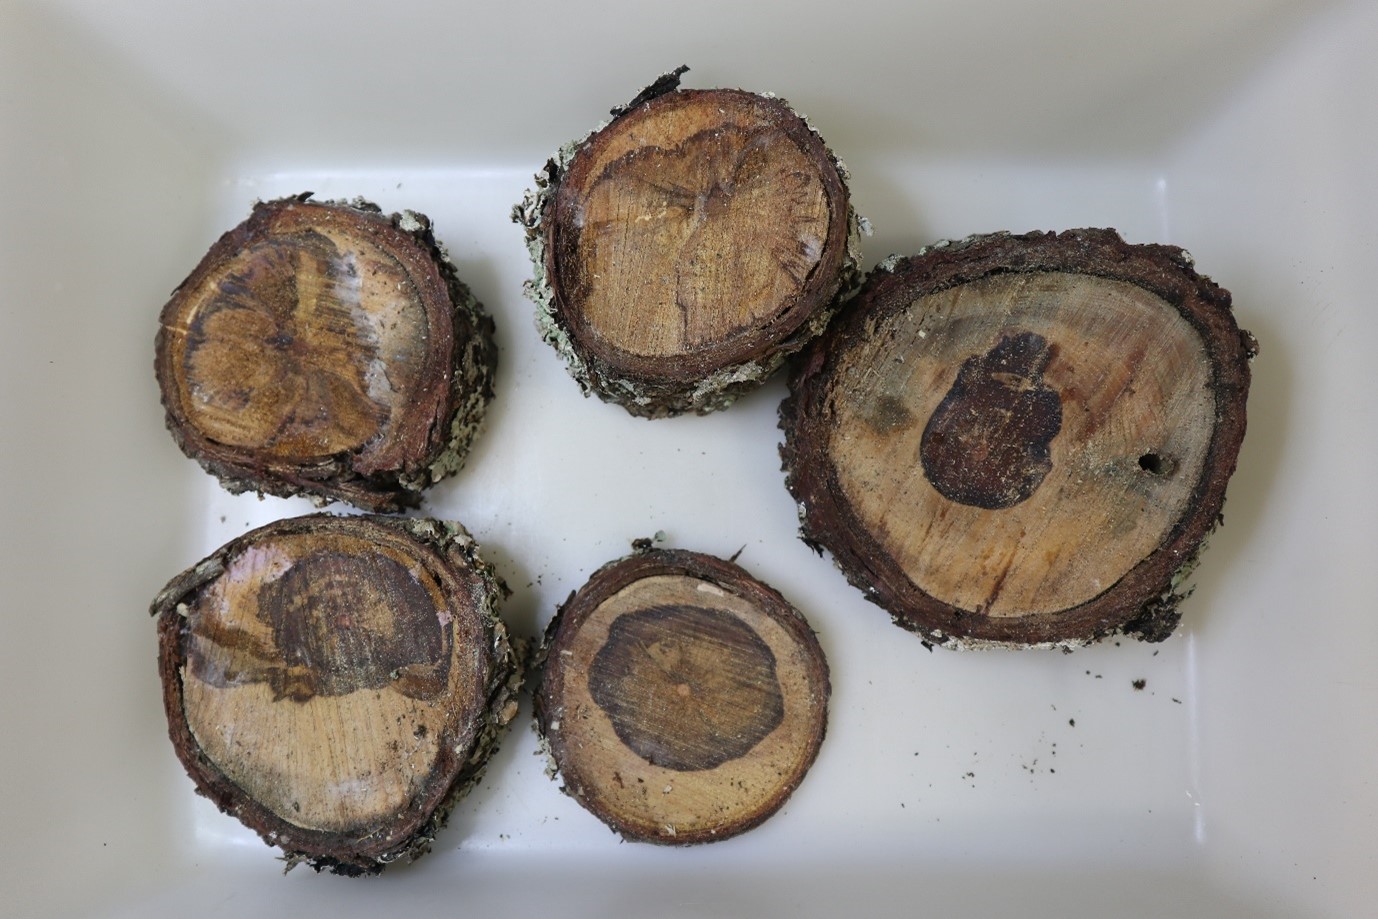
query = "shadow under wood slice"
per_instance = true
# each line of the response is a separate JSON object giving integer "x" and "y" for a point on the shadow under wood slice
{"x": 1022, "y": 440}
{"x": 337, "y": 683}
{"x": 686, "y": 248}
{"x": 681, "y": 700}
{"x": 323, "y": 348}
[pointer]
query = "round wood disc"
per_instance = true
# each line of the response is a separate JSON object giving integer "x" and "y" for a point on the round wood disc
{"x": 337, "y": 683}
{"x": 1022, "y": 440}
{"x": 685, "y": 249}
{"x": 326, "y": 349}
{"x": 681, "y": 700}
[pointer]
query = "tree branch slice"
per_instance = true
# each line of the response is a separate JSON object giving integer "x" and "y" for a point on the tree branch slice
{"x": 1021, "y": 440}
{"x": 680, "y": 700}
{"x": 338, "y": 683}
{"x": 685, "y": 249}
{"x": 326, "y": 349}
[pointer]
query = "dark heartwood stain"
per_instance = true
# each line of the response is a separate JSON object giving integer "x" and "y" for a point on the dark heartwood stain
{"x": 685, "y": 687}
{"x": 341, "y": 623}
{"x": 986, "y": 444}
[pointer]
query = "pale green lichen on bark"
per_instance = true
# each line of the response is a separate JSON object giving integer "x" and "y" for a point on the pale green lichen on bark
{"x": 472, "y": 376}
{"x": 529, "y": 214}
{"x": 649, "y": 398}
{"x": 888, "y": 264}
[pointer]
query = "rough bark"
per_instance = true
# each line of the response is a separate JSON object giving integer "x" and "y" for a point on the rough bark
{"x": 1022, "y": 440}
{"x": 681, "y": 701}
{"x": 685, "y": 249}
{"x": 337, "y": 683}
{"x": 322, "y": 348}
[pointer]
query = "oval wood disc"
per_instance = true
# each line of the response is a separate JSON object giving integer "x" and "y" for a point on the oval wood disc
{"x": 681, "y": 700}
{"x": 685, "y": 249}
{"x": 337, "y": 683}
{"x": 1022, "y": 440}
{"x": 326, "y": 349}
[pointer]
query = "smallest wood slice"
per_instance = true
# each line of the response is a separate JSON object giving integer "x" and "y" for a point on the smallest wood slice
{"x": 1022, "y": 440}
{"x": 684, "y": 250}
{"x": 337, "y": 683}
{"x": 681, "y": 700}
{"x": 323, "y": 348}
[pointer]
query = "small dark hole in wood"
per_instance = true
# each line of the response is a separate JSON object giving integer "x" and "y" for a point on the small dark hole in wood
{"x": 1157, "y": 464}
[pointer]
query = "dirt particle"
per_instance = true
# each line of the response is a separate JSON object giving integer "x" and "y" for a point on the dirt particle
{"x": 1139, "y": 684}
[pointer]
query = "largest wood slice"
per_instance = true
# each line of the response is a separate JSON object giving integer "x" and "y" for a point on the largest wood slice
{"x": 337, "y": 683}
{"x": 1022, "y": 440}
{"x": 685, "y": 249}
{"x": 323, "y": 348}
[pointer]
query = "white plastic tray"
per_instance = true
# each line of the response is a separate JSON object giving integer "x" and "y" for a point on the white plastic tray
{"x": 1238, "y": 782}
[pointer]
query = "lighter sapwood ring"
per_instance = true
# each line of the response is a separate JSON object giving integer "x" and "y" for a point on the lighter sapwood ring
{"x": 1022, "y": 440}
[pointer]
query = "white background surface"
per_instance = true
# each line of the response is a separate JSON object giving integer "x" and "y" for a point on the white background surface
{"x": 1239, "y": 782}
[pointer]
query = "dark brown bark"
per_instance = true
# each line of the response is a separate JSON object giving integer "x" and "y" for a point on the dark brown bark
{"x": 337, "y": 683}
{"x": 681, "y": 700}
{"x": 685, "y": 249}
{"x": 1022, "y": 440}
{"x": 329, "y": 350}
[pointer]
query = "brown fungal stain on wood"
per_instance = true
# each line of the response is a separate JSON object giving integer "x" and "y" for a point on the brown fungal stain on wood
{"x": 986, "y": 444}
{"x": 332, "y": 681}
{"x": 701, "y": 689}
{"x": 322, "y": 347}
{"x": 1082, "y": 405}
{"x": 689, "y": 246}
{"x": 305, "y": 343}
{"x": 1095, "y": 512}
{"x": 340, "y": 623}
{"x": 289, "y": 685}
{"x": 277, "y": 354}
{"x": 687, "y": 687}
{"x": 889, "y": 414}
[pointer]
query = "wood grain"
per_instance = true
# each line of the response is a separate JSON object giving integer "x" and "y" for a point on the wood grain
{"x": 681, "y": 700}
{"x": 327, "y": 349}
{"x": 700, "y": 232}
{"x": 335, "y": 681}
{"x": 1022, "y": 439}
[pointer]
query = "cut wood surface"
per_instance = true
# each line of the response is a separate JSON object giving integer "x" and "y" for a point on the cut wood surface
{"x": 337, "y": 682}
{"x": 681, "y": 700}
{"x": 326, "y": 349}
{"x": 687, "y": 247}
{"x": 1022, "y": 439}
